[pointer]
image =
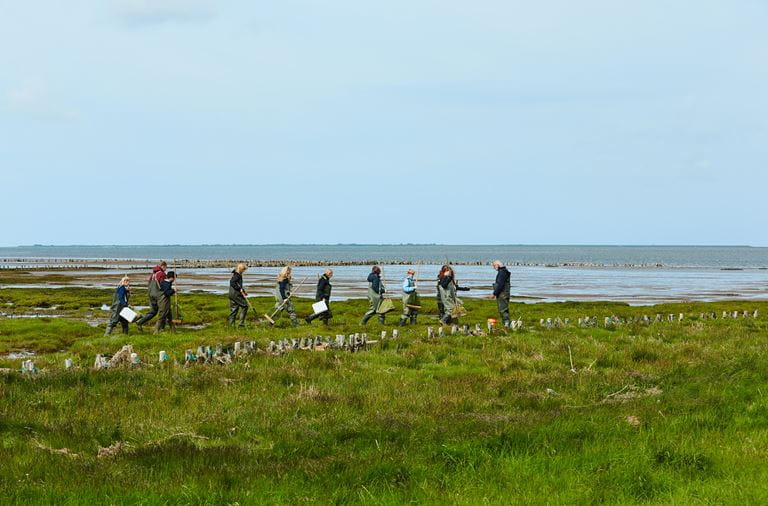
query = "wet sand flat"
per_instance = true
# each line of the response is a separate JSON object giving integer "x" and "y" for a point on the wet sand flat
{"x": 529, "y": 284}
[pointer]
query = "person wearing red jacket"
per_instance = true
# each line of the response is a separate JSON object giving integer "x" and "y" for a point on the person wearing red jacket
{"x": 153, "y": 286}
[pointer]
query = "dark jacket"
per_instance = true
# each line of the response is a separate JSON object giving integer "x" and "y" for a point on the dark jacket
{"x": 283, "y": 286}
{"x": 445, "y": 281}
{"x": 236, "y": 283}
{"x": 166, "y": 288}
{"x": 375, "y": 282}
{"x": 502, "y": 283}
{"x": 323, "y": 289}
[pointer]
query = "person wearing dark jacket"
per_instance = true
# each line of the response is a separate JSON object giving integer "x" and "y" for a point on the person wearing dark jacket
{"x": 164, "y": 303}
{"x": 439, "y": 296}
{"x": 447, "y": 286}
{"x": 323, "y": 293}
{"x": 237, "y": 295}
{"x": 501, "y": 290}
{"x": 153, "y": 287}
{"x": 119, "y": 302}
{"x": 376, "y": 290}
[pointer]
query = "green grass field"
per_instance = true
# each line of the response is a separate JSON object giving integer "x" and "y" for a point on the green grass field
{"x": 667, "y": 413}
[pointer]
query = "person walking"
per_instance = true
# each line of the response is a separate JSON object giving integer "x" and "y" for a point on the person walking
{"x": 164, "y": 303}
{"x": 323, "y": 293}
{"x": 153, "y": 288}
{"x": 409, "y": 295}
{"x": 283, "y": 297}
{"x": 119, "y": 301}
{"x": 237, "y": 295}
{"x": 376, "y": 290}
{"x": 447, "y": 287}
{"x": 501, "y": 290}
{"x": 439, "y": 295}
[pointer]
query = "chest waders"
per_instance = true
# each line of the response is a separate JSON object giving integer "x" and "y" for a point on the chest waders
{"x": 448, "y": 299}
{"x": 237, "y": 303}
{"x": 285, "y": 304}
{"x": 374, "y": 299}
{"x": 409, "y": 312}
{"x": 114, "y": 317}
{"x": 502, "y": 302}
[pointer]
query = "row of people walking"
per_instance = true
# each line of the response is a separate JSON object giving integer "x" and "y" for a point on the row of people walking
{"x": 238, "y": 303}
{"x": 161, "y": 290}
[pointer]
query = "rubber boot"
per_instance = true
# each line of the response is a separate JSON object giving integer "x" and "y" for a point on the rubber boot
{"x": 413, "y": 319}
{"x": 446, "y": 319}
{"x": 365, "y": 319}
{"x": 403, "y": 321}
{"x": 108, "y": 331}
{"x": 381, "y": 319}
{"x": 243, "y": 313}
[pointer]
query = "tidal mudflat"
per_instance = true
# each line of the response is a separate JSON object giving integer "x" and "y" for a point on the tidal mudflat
{"x": 637, "y": 286}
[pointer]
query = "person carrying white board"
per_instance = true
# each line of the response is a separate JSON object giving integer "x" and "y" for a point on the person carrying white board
{"x": 323, "y": 294}
{"x": 119, "y": 302}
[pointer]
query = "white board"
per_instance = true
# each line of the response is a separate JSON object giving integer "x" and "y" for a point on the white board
{"x": 129, "y": 314}
{"x": 319, "y": 307}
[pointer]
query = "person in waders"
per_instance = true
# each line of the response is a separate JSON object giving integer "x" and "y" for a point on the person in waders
{"x": 323, "y": 293}
{"x": 376, "y": 290}
{"x": 283, "y": 289}
{"x": 409, "y": 288}
{"x": 501, "y": 290}
{"x": 119, "y": 302}
{"x": 237, "y": 295}
{"x": 153, "y": 287}
{"x": 438, "y": 296}
{"x": 164, "y": 303}
{"x": 447, "y": 287}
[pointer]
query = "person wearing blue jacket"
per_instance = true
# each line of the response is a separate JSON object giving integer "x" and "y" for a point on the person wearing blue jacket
{"x": 376, "y": 290}
{"x": 409, "y": 287}
{"x": 119, "y": 302}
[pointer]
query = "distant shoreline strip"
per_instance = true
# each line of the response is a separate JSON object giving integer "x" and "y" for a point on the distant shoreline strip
{"x": 134, "y": 263}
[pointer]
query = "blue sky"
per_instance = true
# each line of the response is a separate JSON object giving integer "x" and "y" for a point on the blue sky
{"x": 194, "y": 121}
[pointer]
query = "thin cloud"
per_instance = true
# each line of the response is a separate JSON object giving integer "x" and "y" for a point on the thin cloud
{"x": 33, "y": 100}
{"x": 140, "y": 13}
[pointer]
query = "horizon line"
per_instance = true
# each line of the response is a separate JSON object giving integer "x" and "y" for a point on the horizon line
{"x": 385, "y": 244}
